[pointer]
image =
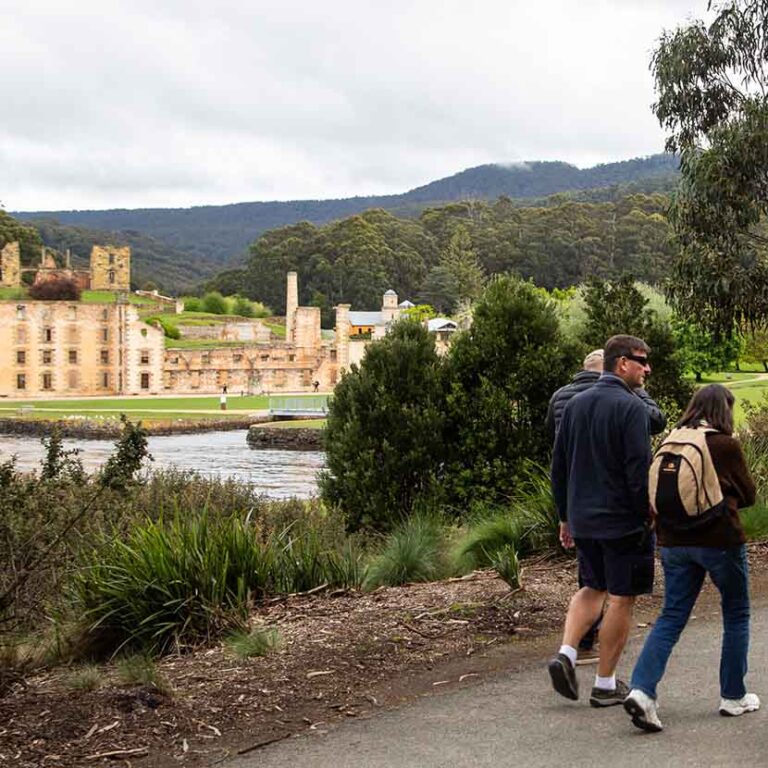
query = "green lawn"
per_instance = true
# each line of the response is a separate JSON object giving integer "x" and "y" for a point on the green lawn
{"x": 276, "y": 328}
{"x": 206, "y": 344}
{"x": 12, "y": 293}
{"x": 145, "y": 416}
{"x": 206, "y": 318}
{"x": 87, "y": 297}
{"x": 729, "y": 377}
{"x": 110, "y": 297}
{"x": 744, "y": 386}
{"x": 298, "y": 424}
{"x": 187, "y": 404}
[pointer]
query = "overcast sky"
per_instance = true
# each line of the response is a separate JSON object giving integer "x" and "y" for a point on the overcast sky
{"x": 131, "y": 103}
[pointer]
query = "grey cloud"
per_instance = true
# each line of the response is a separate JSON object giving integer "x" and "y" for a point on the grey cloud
{"x": 139, "y": 103}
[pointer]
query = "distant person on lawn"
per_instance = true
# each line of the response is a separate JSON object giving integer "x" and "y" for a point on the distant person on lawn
{"x": 582, "y": 381}
{"x": 699, "y": 538}
{"x": 600, "y": 485}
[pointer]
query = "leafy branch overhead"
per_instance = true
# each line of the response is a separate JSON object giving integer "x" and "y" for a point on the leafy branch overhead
{"x": 712, "y": 86}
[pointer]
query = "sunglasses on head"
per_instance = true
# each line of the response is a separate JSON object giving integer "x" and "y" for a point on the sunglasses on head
{"x": 642, "y": 359}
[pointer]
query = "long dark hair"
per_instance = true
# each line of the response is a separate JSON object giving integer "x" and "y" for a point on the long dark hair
{"x": 713, "y": 404}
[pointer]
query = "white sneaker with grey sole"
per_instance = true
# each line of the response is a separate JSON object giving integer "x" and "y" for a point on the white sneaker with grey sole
{"x": 643, "y": 711}
{"x": 750, "y": 702}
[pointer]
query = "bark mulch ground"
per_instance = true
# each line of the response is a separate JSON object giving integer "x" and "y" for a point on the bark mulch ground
{"x": 342, "y": 655}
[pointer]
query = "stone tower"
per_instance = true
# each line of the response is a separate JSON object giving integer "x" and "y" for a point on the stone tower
{"x": 10, "y": 266}
{"x": 291, "y": 305}
{"x": 389, "y": 309}
{"x": 342, "y": 336}
{"x": 110, "y": 268}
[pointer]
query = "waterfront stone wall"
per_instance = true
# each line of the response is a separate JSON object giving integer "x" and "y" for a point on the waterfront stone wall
{"x": 290, "y": 439}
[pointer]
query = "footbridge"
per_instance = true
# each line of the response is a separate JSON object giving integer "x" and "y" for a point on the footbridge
{"x": 310, "y": 406}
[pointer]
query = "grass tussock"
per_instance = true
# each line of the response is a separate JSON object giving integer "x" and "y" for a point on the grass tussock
{"x": 507, "y": 564}
{"x": 257, "y": 642}
{"x": 414, "y": 551}
{"x": 86, "y": 678}
{"x": 140, "y": 670}
{"x": 180, "y": 582}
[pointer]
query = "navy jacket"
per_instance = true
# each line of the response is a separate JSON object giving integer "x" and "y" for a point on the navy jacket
{"x": 600, "y": 462}
{"x": 582, "y": 381}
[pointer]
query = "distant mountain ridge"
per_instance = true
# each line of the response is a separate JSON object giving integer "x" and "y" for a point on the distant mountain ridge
{"x": 215, "y": 234}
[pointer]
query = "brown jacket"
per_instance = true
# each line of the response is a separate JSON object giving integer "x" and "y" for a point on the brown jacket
{"x": 738, "y": 489}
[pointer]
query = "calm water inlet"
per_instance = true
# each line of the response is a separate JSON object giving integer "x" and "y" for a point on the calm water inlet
{"x": 279, "y": 474}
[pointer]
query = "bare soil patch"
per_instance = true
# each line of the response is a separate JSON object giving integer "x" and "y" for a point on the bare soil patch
{"x": 343, "y": 655}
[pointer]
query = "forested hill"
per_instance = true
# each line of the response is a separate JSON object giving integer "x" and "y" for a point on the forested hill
{"x": 219, "y": 233}
{"x": 443, "y": 256}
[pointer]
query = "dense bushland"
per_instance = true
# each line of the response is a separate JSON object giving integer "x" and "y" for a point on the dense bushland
{"x": 558, "y": 243}
{"x": 409, "y": 430}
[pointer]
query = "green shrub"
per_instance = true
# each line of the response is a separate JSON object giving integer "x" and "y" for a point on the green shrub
{"x": 384, "y": 431}
{"x": 257, "y": 642}
{"x": 171, "y": 490}
{"x": 215, "y": 303}
{"x": 414, "y": 551}
{"x": 528, "y": 524}
{"x": 499, "y": 376}
{"x": 620, "y": 307}
{"x": 192, "y": 304}
{"x": 534, "y": 502}
{"x": 506, "y": 563}
{"x": 242, "y": 306}
{"x": 755, "y": 521}
{"x": 260, "y": 310}
{"x": 754, "y": 441}
{"x": 170, "y": 329}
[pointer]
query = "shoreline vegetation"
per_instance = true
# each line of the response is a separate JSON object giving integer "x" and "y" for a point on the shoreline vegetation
{"x": 262, "y": 431}
{"x": 101, "y": 419}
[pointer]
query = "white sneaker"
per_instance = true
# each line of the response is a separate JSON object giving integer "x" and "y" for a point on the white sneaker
{"x": 643, "y": 711}
{"x": 750, "y": 702}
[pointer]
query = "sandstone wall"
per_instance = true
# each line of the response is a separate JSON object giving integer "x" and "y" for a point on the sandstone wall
{"x": 59, "y": 348}
{"x": 10, "y": 266}
{"x": 110, "y": 268}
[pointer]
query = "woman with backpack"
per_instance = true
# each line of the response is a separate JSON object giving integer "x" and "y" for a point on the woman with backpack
{"x": 699, "y": 480}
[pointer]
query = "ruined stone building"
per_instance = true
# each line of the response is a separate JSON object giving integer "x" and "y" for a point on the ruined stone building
{"x": 110, "y": 268}
{"x": 69, "y": 348}
{"x": 292, "y": 364}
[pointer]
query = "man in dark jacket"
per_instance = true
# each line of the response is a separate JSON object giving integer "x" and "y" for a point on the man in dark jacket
{"x": 600, "y": 485}
{"x": 582, "y": 381}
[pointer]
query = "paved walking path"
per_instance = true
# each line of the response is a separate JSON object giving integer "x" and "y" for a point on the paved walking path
{"x": 516, "y": 720}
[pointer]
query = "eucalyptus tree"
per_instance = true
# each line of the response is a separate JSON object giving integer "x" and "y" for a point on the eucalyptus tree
{"x": 712, "y": 88}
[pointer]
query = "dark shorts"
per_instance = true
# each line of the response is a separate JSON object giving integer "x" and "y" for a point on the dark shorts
{"x": 622, "y": 567}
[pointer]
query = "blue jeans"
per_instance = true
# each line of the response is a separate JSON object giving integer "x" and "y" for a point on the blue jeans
{"x": 684, "y": 572}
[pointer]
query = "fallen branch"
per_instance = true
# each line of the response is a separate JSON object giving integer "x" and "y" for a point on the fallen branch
{"x": 419, "y": 632}
{"x": 264, "y": 743}
{"x": 119, "y": 753}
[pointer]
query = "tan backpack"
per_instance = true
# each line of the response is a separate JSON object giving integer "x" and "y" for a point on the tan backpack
{"x": 683, "y": 486}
